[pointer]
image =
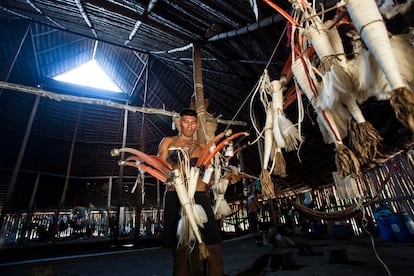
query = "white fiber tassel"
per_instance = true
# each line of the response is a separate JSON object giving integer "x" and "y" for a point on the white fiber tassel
{"x": 375, "y": 78}
{"x": 188, "y": 216}
{"x": 199, "y": 213}
{"x": 286, "y": 134}
{"x": 299, "y": 72}
{"x": 277, "y": 105}
{"x": 221, "y": 207}
{"x": 370, "y": 25}
{"x": 184, "y": 233}
{"x": 346, "y": 162}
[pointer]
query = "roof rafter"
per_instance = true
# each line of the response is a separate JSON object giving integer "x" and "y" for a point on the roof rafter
{"x": 85, "y": 17}
{"x": 133, "y": 15}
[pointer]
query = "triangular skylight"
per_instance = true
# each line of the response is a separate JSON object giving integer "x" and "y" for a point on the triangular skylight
{"x": 89, "y": 74}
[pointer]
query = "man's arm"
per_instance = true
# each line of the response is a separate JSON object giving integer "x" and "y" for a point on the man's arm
{"x": 163, "y": 148}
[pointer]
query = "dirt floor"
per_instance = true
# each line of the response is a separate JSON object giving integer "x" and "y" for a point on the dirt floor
{"x": 242, "y": 256}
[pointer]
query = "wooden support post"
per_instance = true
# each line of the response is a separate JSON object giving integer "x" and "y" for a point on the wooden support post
{"x": 199, "y": 92}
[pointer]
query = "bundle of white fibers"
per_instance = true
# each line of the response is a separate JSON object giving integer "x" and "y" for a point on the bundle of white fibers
{"x": 318, "y": 36}
{"x": 221, "y": 207}
{"x": 370, "y": 25}
{"x": 337, "y": 78}
{"x": 303, "y": 80}
{"x": 200, "y": 215}
{"x": 359, "y": 68}
{"x": 285, "y": 133}
{"x": 184, "y": 231}
{"x": 187, "y": 229}
{"x": 368, "y": 76}
{"x": 340, "y": 117}
{"x": 339, "y": 94}
{"x": 277, "y": 106}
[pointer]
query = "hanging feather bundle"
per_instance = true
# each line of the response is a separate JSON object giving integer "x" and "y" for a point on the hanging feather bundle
{"x": 277, "y": 103}
{"x": 369, "y": 23}
{"x": 368, "y": 77}
{"x": 199, "y": 212}
{"x": 286, "y": 134}
{"x": 193, "y": 215}
{"x": 221, "y": 207}
{"x": 338, "y": 89}
{"x": 340, "y": 118}
{"x": 336, "y": 77}
{"x": 346, "y": 162}
{"x": 187, "y": 229}
{"x": 265, "y": 178}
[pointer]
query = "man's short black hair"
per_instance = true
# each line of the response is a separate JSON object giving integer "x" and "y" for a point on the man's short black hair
{"x": 189, "y": 112}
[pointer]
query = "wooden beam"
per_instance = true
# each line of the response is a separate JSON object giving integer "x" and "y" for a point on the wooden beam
{"x": 64, "y": 97}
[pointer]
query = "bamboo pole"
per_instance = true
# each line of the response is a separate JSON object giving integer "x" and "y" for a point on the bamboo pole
{"x": 199, "y": 93}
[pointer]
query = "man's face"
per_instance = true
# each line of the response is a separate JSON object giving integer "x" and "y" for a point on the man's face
{"x": 189, "y": 125}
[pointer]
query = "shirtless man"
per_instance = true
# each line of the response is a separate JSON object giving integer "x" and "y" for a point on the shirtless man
{"x": 210, "y": 233}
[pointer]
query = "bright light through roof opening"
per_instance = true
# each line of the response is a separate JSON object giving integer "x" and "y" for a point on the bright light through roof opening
{"x": 89, "y": 74}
